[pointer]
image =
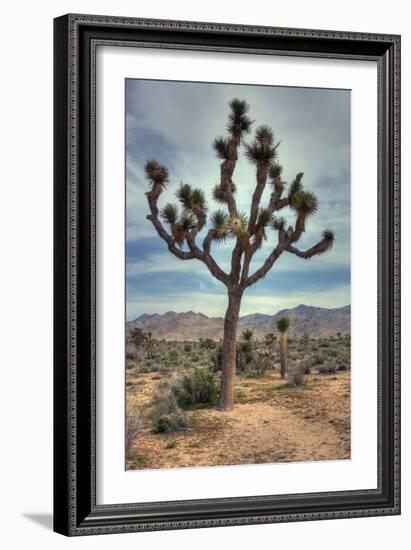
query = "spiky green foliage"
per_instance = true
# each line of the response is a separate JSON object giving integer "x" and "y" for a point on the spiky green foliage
{"x": 275, "y": 171}
{"x": 328, "y": 241}
{"x": 262, "y": 149}
{"x": 238, "y": 121}
{"x": 218, "y": 194}
{"x": 187, "y": 221}
{"x": 283, "y": 324}
{"x": 279, "y": 223}
{"x": 221, "y": 146}
{"x": 305, "y": 202}
{"x": 170, "y": 213}
{"x": 264, "y": 135}
{"x": 219, "y": 219}
{"x": 219, "y": 223}
{"x": 198, "y": 202}
{"x": 184, "y": 194}
{"x": 247, "y": 335}
{"x": 156, "y": 173}
{"x": 264, "y": 217}
{"x": 329, "y": 235}
{"x": 237, "y": 224}
{"x": 295, "y": 187}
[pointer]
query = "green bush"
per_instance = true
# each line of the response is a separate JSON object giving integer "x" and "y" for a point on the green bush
{"x": 167, "y": 416}
{"x": 187, "y": 348}
{"x": 196, "y": 387}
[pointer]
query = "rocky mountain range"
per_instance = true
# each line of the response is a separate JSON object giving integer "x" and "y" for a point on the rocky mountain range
{"x": 317, "y": 322}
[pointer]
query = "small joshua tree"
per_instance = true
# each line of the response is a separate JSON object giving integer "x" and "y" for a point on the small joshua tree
{"x": 283, "y": 324}
{"x": 247, "y": 231}
{"x": 245, "y": 350}
{"x": 148, "y": 345}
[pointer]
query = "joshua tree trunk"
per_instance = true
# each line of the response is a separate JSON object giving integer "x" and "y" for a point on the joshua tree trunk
{"x": 226, "y": 399}
{"x": 283, "y": 354}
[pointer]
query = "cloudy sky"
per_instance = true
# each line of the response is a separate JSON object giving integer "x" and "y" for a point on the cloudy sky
{"x": 175, "y": 123}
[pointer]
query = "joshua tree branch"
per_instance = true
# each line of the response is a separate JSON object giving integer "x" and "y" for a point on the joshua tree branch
{"x": 319, "y": 248}
{"x": 168, "y": 239}
{"x": 227, "y": 169}
{"x": 265, "y": 268}
{"x": 195, "y": 251}
{"x": 256, "y": 199}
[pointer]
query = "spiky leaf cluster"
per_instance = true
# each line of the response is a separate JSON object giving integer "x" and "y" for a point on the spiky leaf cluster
{"x": 262, "y": 149}
{"x": 198, "y": 202}
{"x": 283, "y": 324}
{"x": 170, "y": 213}
{"x": 237, "y": 224}
{"x": 238, "y": 121}
{"x": 192, "y": 199}
{"x": 247, "y": 335}
{"x": 187, "y": 221}
{"x": 183, "y": 194}
{"x": 219, "y": 194}
{"x": 221, "y": 146}
{"x": 329, "y": 235}
{"x": 275, "y": 170}
{"x": 328, "y": 240}
{"x": 278, "y": 223}
{"x": 156, "y": 173}
{"x": 219, "y": 223}
{"x": 305, "y": 203}
{"x": 264, "y": 217}
{"x": 295, "y": 187}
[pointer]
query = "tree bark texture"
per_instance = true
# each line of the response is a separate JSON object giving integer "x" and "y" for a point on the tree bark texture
{"x": 226, "y": 399}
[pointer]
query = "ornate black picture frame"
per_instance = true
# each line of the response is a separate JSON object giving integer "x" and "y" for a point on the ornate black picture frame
{"x": 75, "y": 41}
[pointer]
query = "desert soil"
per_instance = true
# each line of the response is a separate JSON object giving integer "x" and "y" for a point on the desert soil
{"x": 270, "y": 422}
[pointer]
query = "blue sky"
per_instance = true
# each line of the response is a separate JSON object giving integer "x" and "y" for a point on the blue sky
{"x": 175, "y": 123}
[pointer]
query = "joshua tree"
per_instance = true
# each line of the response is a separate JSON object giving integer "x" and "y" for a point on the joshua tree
{"x": 282, "y": 324}
{"x": 248, "y": 232}
{"x": 245, "y": 350}
{"x": 148, "y": 344}
{"x": 247, "y": 335}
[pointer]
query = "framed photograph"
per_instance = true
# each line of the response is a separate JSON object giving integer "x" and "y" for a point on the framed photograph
{"x": 227, "y": 278}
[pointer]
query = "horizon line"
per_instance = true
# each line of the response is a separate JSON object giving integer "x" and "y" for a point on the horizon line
{"x": 241, "y": 316}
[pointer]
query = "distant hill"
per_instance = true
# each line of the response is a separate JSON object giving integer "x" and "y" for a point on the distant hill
{"x": 318, "y": 322}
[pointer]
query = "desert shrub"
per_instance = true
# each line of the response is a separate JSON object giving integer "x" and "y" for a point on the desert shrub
{"x": 195, "y": 358}
{"x": 258, "y": 366}
{"x": 167, "y": 415}
{"x": 197, "y": 387}
{"x": 187, "y": 348}
{"x": 327, "y": 368}
{"x": 318, "y": 359}
{"x": 342, "y": 367}
{"x": 207, "y": 343}
{"x": 296, "y": 376}
{"x": 133, "y": 427}
{"x": 324, "y": 344}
